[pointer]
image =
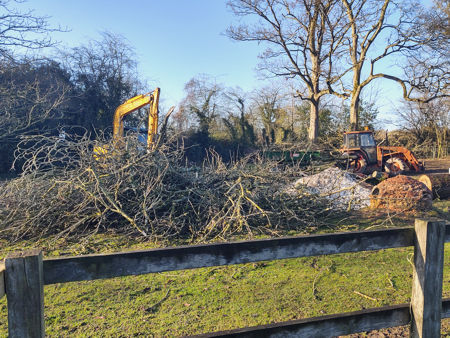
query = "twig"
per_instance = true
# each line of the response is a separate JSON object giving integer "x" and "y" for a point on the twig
{"x": 365, "y": 296}
{"x": 155, "y": 306}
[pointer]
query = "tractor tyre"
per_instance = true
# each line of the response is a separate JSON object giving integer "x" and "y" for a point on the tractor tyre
{"x": 359, "y": 165}
{"x": 395, "y": 166}
{"x": 356, "y": 164}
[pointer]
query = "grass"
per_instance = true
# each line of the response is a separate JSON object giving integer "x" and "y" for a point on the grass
{"x": 210, "y": 299}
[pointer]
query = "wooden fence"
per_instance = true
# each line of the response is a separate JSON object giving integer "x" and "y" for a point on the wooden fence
{"x": 23, "y": 276}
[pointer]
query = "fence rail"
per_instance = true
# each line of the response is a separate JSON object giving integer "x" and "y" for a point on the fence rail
{"x": 23, "y": 276}
{"x": 89, "y": 267}
{"x": 332, "y": 325}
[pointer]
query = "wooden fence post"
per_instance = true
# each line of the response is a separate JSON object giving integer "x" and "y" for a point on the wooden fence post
{"x": 24, "y": 281}
{"x": 426, "y": 298}
{"x": 2, "y": 279}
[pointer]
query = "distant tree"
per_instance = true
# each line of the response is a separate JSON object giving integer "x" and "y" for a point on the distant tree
{"x": 367, "y": 115}
{"x": 428, "y": 123}
{"x": 326, "y": 118}
{"x": 180, "y": 121}
{"x": 105, "y": 75}
{"x": 304, "y": 39}
{"x": 31, "y": 93}
{"x": 237, "y": 121}
{"x": 268, "y": 110}
{"x": 203, "y": 103}
{"x": 34, "y": 98}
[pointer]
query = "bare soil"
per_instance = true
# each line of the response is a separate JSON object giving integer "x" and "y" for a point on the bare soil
{"x": 435, "y": 166}
{"x": 400, "y": 331}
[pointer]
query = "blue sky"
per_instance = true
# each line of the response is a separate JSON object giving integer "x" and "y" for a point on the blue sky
{"x": 175, "y": 40}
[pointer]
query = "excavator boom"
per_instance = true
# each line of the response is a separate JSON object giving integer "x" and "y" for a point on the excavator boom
{"x": 134, "y": 104}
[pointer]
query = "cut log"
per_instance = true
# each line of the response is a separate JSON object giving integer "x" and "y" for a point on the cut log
{"x": 439, "y": 184}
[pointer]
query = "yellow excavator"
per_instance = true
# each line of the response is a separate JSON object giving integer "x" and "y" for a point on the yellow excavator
{"x": 134, "y": 104}
{"x": 129, "y": 106}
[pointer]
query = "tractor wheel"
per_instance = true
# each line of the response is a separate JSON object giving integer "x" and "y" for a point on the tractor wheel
{"x": 351, "y": 164}
{"x": 395, "y": 166}
{"x": 359, "y": 166}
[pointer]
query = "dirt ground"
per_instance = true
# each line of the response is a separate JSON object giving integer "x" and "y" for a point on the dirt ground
{"x": 400, "y": 331}
{"x": 436, "y": 166}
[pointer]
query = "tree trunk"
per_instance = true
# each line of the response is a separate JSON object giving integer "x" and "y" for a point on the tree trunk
{"x": 354, "y": 103}
{"x": 354, "y": 112}
{"x": 314, "y": 122}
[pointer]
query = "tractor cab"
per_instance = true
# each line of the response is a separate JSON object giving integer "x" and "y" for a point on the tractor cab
{"x": 361, "y": 141}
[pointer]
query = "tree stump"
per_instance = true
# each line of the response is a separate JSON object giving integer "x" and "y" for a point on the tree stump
{"x": 439, "y": 184}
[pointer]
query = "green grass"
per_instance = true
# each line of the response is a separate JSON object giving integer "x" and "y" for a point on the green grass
{"x": 210, "y": 299}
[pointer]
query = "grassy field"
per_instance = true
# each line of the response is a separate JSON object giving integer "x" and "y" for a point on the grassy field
{"x": 197, "y": 301}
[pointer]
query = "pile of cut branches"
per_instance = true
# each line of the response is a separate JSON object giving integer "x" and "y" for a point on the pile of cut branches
{"x": 67, "y": 191}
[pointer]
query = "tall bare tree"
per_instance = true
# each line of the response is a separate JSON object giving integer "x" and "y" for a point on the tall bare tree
{"x": 304, "y": 38}
{"x": 383, "y": 30}
{"x": 32, "y": 93}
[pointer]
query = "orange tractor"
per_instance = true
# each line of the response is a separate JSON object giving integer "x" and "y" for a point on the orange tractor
{"x": 362, "y": 154}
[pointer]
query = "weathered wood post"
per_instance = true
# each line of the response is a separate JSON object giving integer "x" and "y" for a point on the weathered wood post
{"x": 2, "y": 279}
{"x": 426, "y": 298}
{"x": 24, "y": 281}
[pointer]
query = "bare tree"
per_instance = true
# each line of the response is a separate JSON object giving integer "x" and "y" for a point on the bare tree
{"x": 105, "y": 74}
{"x": 32, "y": 92}
{"x": 437, "y": 19}
{"x": 33, "y": 100}
{"x": 267, "y": 105}
{"x": 383, "y": 30}
{"x": 202, "y": 101}
{"x": 428, "y": 124}
{"x": 22, "y": 29}
{"x": 237, "y": 121}
{"x": 31, "y": 95}
{"x": 304, "y": 38}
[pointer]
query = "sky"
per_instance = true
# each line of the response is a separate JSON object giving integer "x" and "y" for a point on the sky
{"x": 175, "y": 40}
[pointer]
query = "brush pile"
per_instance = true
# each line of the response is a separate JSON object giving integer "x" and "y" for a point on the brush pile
{"x": 65, "y": 191}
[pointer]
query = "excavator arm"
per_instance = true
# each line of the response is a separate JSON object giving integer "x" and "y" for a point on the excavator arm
{"x": 134, "y": 104}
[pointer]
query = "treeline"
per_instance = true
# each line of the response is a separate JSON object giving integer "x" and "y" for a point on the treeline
{"x": 267, "y": 116}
